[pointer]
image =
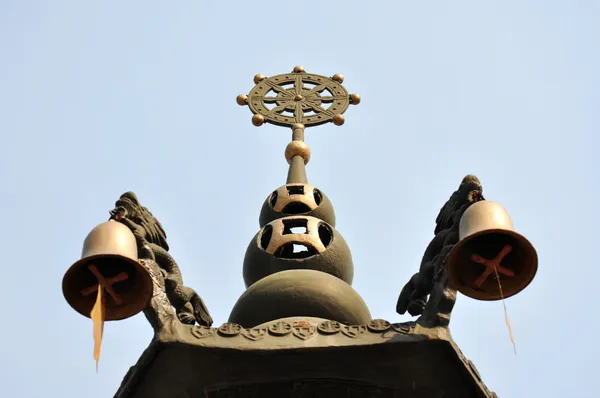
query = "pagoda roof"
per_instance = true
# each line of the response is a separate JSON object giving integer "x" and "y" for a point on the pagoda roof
{"x": 296, "y": 356}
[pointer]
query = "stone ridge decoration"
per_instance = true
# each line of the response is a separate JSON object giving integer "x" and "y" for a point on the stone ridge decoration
{"x": 329, "y": 327}
{"x": 230, "y": 329}
{"x": 378, "y": 326}
{"x": 201, "y": 332}
{"x": 254, "y": 334}
{"x": 280, "y": 328}
{"x": 302, "y": 330}
{"x": 354, "y": 330}
{"x": 401, "y": 328}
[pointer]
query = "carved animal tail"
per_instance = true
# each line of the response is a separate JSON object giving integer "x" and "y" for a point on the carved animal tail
{"x": 201, "y": 311}
{"x": 438, "y": 315}
{"x": 441, "y": 301}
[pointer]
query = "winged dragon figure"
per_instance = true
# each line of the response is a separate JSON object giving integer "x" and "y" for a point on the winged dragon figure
{"x": 152, "y": 245}
{"x": 431, "y": 278}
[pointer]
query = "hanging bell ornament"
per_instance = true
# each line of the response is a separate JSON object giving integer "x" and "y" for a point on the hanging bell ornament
{"x": 109, "y": 259}
{"x": 491, "y": 261}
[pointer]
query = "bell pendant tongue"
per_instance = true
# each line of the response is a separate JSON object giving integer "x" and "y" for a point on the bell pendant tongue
{"x": 98, "y": 315}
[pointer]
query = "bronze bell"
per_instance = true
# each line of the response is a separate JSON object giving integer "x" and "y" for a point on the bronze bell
{"x": 109, "y": 258}
{"x": 489, "y": 249}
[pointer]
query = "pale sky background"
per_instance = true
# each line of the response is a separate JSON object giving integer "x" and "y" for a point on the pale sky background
{"x": 97, "y": 98}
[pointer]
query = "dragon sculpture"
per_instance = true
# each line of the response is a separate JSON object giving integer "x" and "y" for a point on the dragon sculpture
{"x": 432, "y": 272}
{"x": 152, "y": 245}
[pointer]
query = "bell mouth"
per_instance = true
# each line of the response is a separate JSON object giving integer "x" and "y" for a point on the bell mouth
{"x": 134, "y": 292}
{"x": 517, "y": 268}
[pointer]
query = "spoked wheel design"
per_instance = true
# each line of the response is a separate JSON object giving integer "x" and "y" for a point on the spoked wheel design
{"x": 298, "y": 97}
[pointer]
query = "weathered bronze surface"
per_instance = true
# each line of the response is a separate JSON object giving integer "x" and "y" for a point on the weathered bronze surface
{"x": 152, "y": 246}
{"x": 300, "y": 329}
{"x": 299, "y": 292}
{"x": 297, "y": 199}
{"x": 317, "y": 246}
{"x": 431, "y": 278}
{"x": 297, "y": 148}
{"x": 282, "y": 279}
{"x": 490, "y": 248}
{"x": 109, "y": 258}
{"x": 305, "y": 357}
{"x": 298, "y": 97}
{"x": 474, "y": 248}
{"x": 154, "y": 284}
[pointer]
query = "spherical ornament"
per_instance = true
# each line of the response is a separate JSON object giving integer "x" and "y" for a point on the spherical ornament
{"x": 338, "y": 77}
{"x": 298, "y": 69}
{"x": 313, "y": 294}
{"x": 259, "y": 78}
{"x": 242, "y": 99}
{"x": 297, "y": 242}
{"x": 258, "y": 120}
{"x": 338, "y": 119}
{"x": 354, "y": 99}
{"x": 296, "y": 199}
{"x": 297, "y": 148}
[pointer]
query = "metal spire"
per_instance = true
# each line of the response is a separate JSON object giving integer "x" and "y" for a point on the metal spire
{"x": 298, "y": 100}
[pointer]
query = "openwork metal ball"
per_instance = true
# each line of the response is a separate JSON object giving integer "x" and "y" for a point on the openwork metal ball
{"x": 298, "y": 69}
{"x": 354, "y": 99}
{"x": 259, "y": 78}
{"x": 338, "y": 119}
{"x": 297, "y": 199}
{"x": 242, "y": 99}
{"x": 258, "y": 120}
{"x": 297, "y": 242}
{"x": 338, "y": 77}
{"x": 297, "y": 148}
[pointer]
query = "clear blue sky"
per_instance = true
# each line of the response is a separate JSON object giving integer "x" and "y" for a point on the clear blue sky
{"x": 97, "y": 98}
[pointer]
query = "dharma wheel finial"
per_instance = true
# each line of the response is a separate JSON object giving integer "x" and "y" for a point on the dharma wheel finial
{"x": 298, "y": 97}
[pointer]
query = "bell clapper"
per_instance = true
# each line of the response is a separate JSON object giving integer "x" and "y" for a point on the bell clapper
{"x": 512, "y": 338}
{"x": 98, "y": 313}
{"x": 493, "y": 266}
